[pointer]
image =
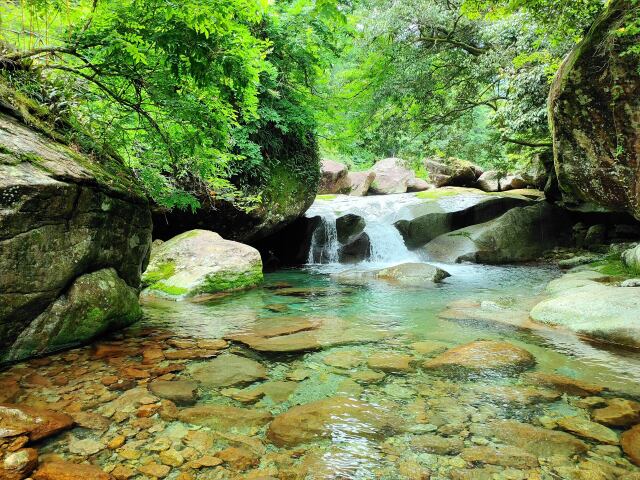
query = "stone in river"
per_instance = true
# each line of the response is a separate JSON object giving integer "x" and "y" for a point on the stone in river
{"x": 85, "y": 446}
{"x": 328, "y": 418}
{"x": 228, "y": 370}
{"x": 587, "y": 429}
{"x": 344, "y": 359}
{"x": 563, "y": 384}
{"x": 540, "y": 442}
{"x": 154, "y": 470}
{"x": 303, "y": 334}
{"x": 619, "y": 412}
{"x": 181, "y": 392}
{"x": 483, "y": 357}
{"x": 18, "y": 465}
{"x": 36, "y": 423}
{"x": 436, "y": 444}
{"x": 239, "y": 458}
{"x": 630, "y": 442}
{"x": 524, "y": 395}
{"x": 506, "y": 456}
{"x": 390, "y": 362}
{"x": 224, "y": 417}
{"x": 367, "y": 376}
{"x": 427, "y": 347}
{"x": 70, "y": 471}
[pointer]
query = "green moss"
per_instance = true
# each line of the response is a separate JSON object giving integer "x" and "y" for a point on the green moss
{"x": 169, "y": 289}
{"x": 612, "y": 265}
{"x": 326, "y": 197}
{"x": 224, "y": 282}
{"x": 164, "y": 271}
{"x": 436, "y": 193}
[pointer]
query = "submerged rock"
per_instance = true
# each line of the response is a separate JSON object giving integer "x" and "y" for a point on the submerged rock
{"x": 63, "y": 215}
{"x": 482, "y": 357}
{"x": 436, "y": 444}
{"x": 36, "y": 423}
{"x": 228, "y": 370}
{"x": 390, "y": 362}
{"x": 568, "y": 385}
{"x": 59, "y": 470}
{"x": 506, "y": 456}
{"x": 406, "y": 274}
{"x": 590, "y": 430}
{"x": 630, "y": 442}
{"x": 619, "y": 412}
{"x": 537, "y": 441}
{"x": 181, "y": 392}
{"x": 327, "y": 418}
{"x": 201, "y": 262}
{"x": 224, "y": 417}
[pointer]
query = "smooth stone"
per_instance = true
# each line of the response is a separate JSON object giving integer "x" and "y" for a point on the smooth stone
{"x": 390, "y": 362}
{"x": 330, "y": 417}
{"x": 540, "y": 442}
{"x": 85, "y": 446}
{"x": 224, "y": 417}
{"x": 587, "y": 429}
{"x": 523, "y": 395}
{"x": 36, "y": 423}
{"x": 561, "y": 383}
{"x": 405, "y": 274}
{"x": 427, "y": 347}
{"x": 436, "y": 444}
{"x": 483, "y": 357}
{"x": 70, "y": 471}
{"x": 505, "y": 456}
{"x": 619, "y": 412}
{"x": 181, "y": 392}
{"x": 239, "y": 458}
{"x": 344, "y": 359}
{"x": 630, "y": 443}
{"x": 228, "y": 370}
{"x": 18, "y": 465}
{"x": 155, "y": 470}
{"x": 367, "y": 376}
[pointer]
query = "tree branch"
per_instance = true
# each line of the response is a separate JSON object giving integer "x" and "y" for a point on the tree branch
{"x": 524, "y": 143}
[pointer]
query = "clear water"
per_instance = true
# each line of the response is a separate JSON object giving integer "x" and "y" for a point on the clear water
{"x": 352, "y": 446}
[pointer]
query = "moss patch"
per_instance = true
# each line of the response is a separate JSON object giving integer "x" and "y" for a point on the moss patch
{"x": 164, "y": 271}
{"x": 169, "y": 289}
{"x": 224, "y": 282}
{"x": 612, "y": 265}
{"x": 326, "y": 197}
{"x": 436, "y": 194}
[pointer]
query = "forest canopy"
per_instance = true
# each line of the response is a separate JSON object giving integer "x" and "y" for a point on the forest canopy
{"x": 190, "y": 94}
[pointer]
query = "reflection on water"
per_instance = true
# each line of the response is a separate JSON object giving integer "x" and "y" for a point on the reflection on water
{"x": 348, "y": 390}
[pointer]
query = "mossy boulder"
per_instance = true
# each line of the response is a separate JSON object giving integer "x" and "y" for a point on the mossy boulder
{"x": 63, "y": 214}
{"x": 631, "y": 259}
{"x": 94, "y": 304}
{"x": 593, "y": 108}
{"x": 201, "y": 262}
{"x": 284, "y": 186}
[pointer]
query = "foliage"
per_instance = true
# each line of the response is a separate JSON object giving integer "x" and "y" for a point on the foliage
{"x": 186, "y": 93}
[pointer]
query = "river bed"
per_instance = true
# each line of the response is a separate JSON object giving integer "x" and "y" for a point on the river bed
{"x": 358, "y": 404}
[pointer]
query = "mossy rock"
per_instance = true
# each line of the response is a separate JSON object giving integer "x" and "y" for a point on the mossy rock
{"x": 201, "y": 262}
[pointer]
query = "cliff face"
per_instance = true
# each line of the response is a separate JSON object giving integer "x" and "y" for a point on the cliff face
{"x": 75, "y": 236}
{"x": 594, "y": 109}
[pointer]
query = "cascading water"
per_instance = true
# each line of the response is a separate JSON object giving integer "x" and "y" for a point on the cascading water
{"x": 379, "y": 213}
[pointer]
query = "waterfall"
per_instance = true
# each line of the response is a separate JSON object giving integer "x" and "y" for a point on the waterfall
{"x": 379, "y": 213}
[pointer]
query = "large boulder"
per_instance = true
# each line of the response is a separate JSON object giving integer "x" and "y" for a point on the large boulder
{"x": 349, "y": 226}
{"x": 451, "y": 172}
{"x": 201, "y": 262}
{"x": 357, "y": 249}
{"x": 284, "y": 187}
{"x": 522, "y": 234}
{"x": 360, "y": 182}
{"x": 392, "y": 176}
{"x": 333, "y": 178}
{"x": 435, "y": 218}
{"x": 593, "y": 107}
{"x": 585, "y": 305}
{"x": 64, "y": 216}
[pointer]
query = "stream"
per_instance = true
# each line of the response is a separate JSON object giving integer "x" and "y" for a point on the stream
{"x": 377, "y": 412}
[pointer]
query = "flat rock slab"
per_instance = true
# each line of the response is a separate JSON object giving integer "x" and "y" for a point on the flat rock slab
{"x": 588, "y": 429}
{"x": 36, "y": 423}
{"x": 483, "y": 357}
{"x": 70, "y": 471}
{"x": 522, "y": 395}
{"x": 390, "y": 362}
{"x": 568, "y": 385}
{"x": 404, "y": 274}
{"x": 436, "y": 444}
{"x": 228, "y": 370}
{"x": 223, "y": 417}
{"x": 181, "y": 392}
{"x": 506, "y": 456}
{"x": 537, "y": 441}
{"x": 327, "y": 418}
{"x": 304, "y": 334}
{"x": 619, "y": 412}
